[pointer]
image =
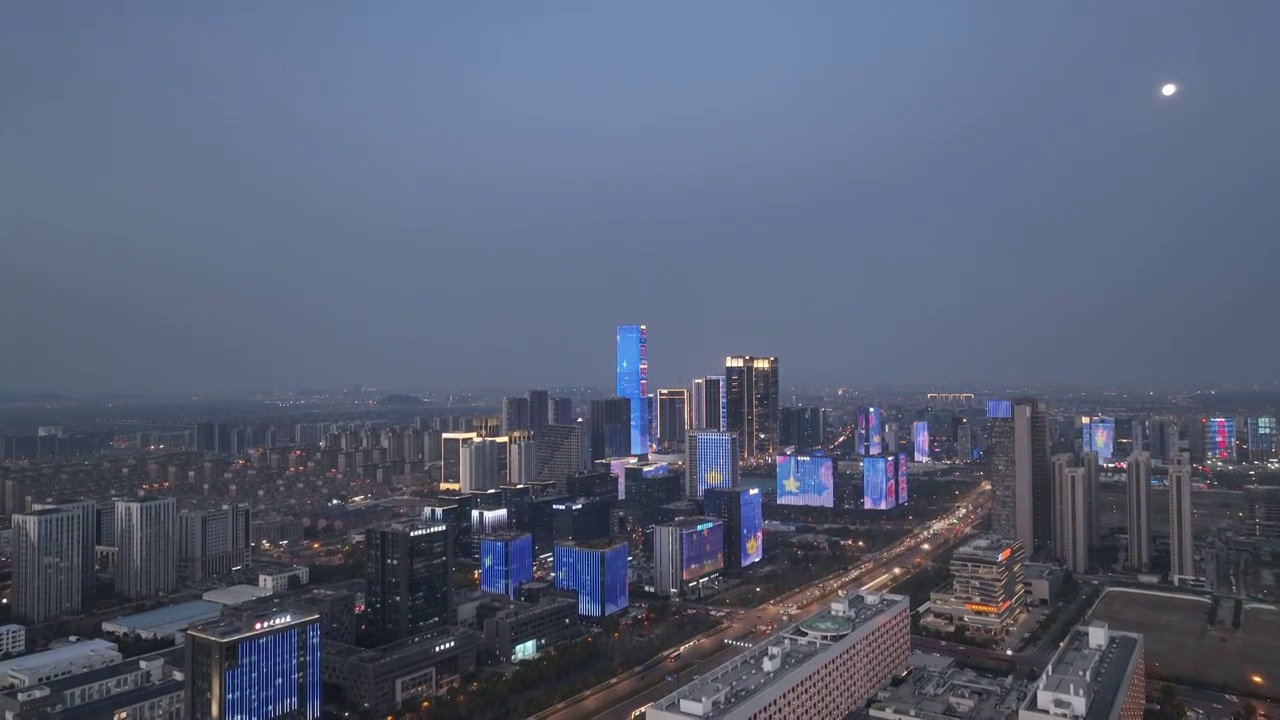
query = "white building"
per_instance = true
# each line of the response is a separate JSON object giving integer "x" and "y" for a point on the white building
{"x": 1096, "y": 673}
{"x": 522, "y": 458}
{"x": 213, "y": 542}
{"x": 88, "y": 510}
{"x": 278, "y": 582}
{"x": 147, "y": 563}
{"x": 1182, "y": 559}
{"x": 1139, "y": 490}
{"x": 483, "y": 464}
{"x": 13, "y": 639}
{"x": 76, "y": 657}
{"x": 1071, "y": 517}
{"x": 48, "y": 564}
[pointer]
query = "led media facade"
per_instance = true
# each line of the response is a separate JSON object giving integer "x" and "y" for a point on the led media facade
{"x": 506, "y": 563}
{"x": 701, "y": 550}
{"x": 1220, "y": 439}
{"x": 891, "y": 481}
{"x": 276, "y": 674}
{"x": 1098, "y": 434}
{"x": 598, "y": 575}
{"x": 920, "y": 440}
{"x": 999, "y": 409}
{"x": 870, "y": 432}
{"x": 717, "y": 461}
{"x": 806, "y": 480}
{"x": 633, "y": 381}
{"x": 655, "y": 470}
{"x": 751, "y": 520}
{"x": 902, "y": 479}
{"x": 883, "y": 481}
{"x": 1262, "y": 438}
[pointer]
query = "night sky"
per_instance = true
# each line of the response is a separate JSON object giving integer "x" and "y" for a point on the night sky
{"x": 225, "y": 196}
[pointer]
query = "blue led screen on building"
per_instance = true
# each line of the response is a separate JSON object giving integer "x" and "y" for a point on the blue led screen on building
{"x": 806, "y": 480}
{"x": 599, "y": 576}
{"x": 752, "y": 514}
{"x": 702, "y": 550}
{"x": 920, "y": 440}
{"x": 902, "y": 479}
{"x": 999, "y": 408}
{"x": 891, "y": 481}
{"x": 633, "y": 382}
{"x": 506, "y": 564}
{"x": 717, "y": 461}
{"x": 276, "y": 674}
{"x": 875, "y": 478}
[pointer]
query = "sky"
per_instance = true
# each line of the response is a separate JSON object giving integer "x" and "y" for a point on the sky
{"x": 200, "y": 197}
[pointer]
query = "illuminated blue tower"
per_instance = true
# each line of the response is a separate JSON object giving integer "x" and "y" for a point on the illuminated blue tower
{"x": 713, "y": 459}
{"x": 506, "y": 562}
{"x": 597, "y": 571}
{"x": 264, "y": 665}
{"x": 633, "y": 382}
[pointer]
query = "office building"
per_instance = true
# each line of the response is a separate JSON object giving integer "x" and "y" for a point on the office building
{"x": 48, "y": 564}
{"x": 408, "y": 584}
{"x": 868, "y": 437}
{"x": 539, "y": 402}
{"x": 920, "y": 441}
{"x": 454, "y": 511}
{"x": 633, "y": 384}
{"x": 805, "y": 480}
{"x": 483, "y": 464}
{"x": 741, "y": 509}
{"x": 1096, "y": 674}
{"x": 1220, "y": 439}
{"x": 382, "y": 679}
{"x": 751, "y": 397}
{"x": 515, "y": 631}
{"x": 611, "y": 428}
{"x": 673, "y": 417}
{"x": 597, "y": 571}
{"x": 1162, "y": 437}
{"x": 558, "y": 454}
{"x": 1071, "y": 524}
{"x": 451, "y": 444}
{"x": 1262, "y": 439}
{"x": 561, "y": 412}
{"x": 147, "y": 556}
{"x": 582, "y": 519}
{"x": 712, "y": 460}
{"x": 1021, "y": 477}
{"x": 506, "y": 562}
{"x": 1182, "y": 559}
{"x": 534, "y": 515}
{"x": 263, "y": 665}
{"x": 882, "y": 476}
{"x": 1139, "y": 526}
{"x": 802, "y": 428}
{"x": 89, "y": 514}
{"x": 522, "y": 462}
{"x": 688, "y": 553}
{"x": 1098, "y": 435}
{"x": 1262, "y": 512}
{"x": 708, "y": 404}
{"x": 515, "y": 415}
{"x": 984, "y": 598}
{"x": 824, "y": 668}
{"x": 213, "y": 542}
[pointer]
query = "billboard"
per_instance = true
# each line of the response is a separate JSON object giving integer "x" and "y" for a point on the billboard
{"x": 920, "y": 440}
{"x": 653, "y": 470}
{"x": 806, "y": 480}
{"x": 870, "y": 432}
{"x": 902, "y": 479}
{"x": 891, "y": 481}
{"x": 717, "y": 454}
{"x": 1220, "y": 438}
{"x": 1098, "y": 434}
{"x": 875, "y": 475}
{"x": 701, "y": 549}
{"x": 598, "y": 575}
{"x": 633, "y": 381}
{"x": 751, "y": 514}
{"x": 505, "y": 564}
{"x": 1000, "y": 409}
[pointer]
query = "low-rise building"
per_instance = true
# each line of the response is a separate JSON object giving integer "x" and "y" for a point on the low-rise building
{"x": 278, "y": 581}
{"x": 79, "y": 655}
{"x": 513, "y": 631}
{"x": 165, "y": 622}
{"x": 13, "y": 639}
{"x": 1042, "y": 584}
{"x": 235, "y": 594}
{"x": 145, "y": 687}
{"x": 938, "y": 690}
{"x": 1097, "y": 674}
{"x": 380, "y": 679}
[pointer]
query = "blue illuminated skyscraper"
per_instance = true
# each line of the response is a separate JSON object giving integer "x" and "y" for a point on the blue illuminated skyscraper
{"x": 506, "y": 562}
{"x": 712, "y": 461}
{"x": 1098, "y": 434}
{"x": 920, "y": 440}
{"x": 633, "y": 382}
{"x": 597, "y": 571}
{"x": 742, "y": 511}
{"x": 264, "y": 666}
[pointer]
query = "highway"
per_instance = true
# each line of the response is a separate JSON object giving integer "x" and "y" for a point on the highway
{"x": 626, "y": 694}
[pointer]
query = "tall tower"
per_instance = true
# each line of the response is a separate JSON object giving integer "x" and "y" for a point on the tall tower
{"x": 1072, "y": 543}
{"x": 1093, "y": 490}
{"x": 539, "y": 409}
{"x": 1139, "y": 490}
{"x": 522, "y": 458}
{"x": 515, "y": 414}
{"x": 1182, "y": 559}
{"x": 751, "y": 397}
{"x": 1033, "y": 491}
{"x": 483, "y": 464}
{"x": 408, "y": 585}
{"x": 88, "y": 510}
{"x": 611, "y": 427}
{"x": 558, "y": 453}
{"x": 712, "y": 461}
{"x": 1000, "y": 472}
{"x": 633, "y": 382}
{"x": 673, "y": 415}
{"x": 147, "y": 563}
{"x": 48, "y": 557}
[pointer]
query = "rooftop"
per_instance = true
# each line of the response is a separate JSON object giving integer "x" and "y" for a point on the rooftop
{"x": 601, "y": 544}
{"x": 777, "y": 662}
{"x": 1088, "y": 675}
{"x": 435, "y": 640}
{"x": 235, "y": 594}
{"x": 503, "y": 535}
{"x": 56, "y": 656}
{"x": 988, "y": 547}
{"x": 938, "y": 690}
{"x": 166, "y": 620}
{"x": 234, "y": 628}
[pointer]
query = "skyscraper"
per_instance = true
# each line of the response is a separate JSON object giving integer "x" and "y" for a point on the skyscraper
{"x": 522, "y": 461}
{"x": 515, "y": 414}
{"x": 264, "y": 665}
{"x": 920, "y": 441}
{"x": 611, "y": 428}
{"x": 451, "y": 458}
{"x": 483, "y": 464}
{"x": 1093, "y": 497}
{"x": 1220, "y": 439}
{"x": 48, "y": 564}
{"x": 561, "y": 412}
{"x": 539, "y": 409}
{"x": 1071, "y": 542}
{"x": 147, "y": 559}
{"x": 1139, "y": 491}
{"x": 1098, "y": 435}
{"x": 408, "y": 584}
{"x": 708, "y": 406}
{"x": 558, "y": 454}
{"x": 999, "y": 457}
{"x": 802, "y": 428}
{"x": 741, "y": 510}
{"x": 869, "y": 433}
{"x": 1182, "y": 559}
{"x": 673, "y": 416}
{"x": 687, "y": 553}
{"x": 1033, "y": 492}
{"x": 213, "y": 542}
{"x": 751, "y": 397}
{"x": 712, "y": 460}
{"x": 88, "y": 510}
{"x": 633, "y": 384}
{"x": 597, "y": 571}
{"x": 506, "y": 562}
{"x": 1262, "y": 439}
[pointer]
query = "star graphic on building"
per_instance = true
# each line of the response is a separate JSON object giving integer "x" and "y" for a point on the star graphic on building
{"x": 714, "y": 477}
{"x": 791, "y": 484}
{"x": 752, "y": 545}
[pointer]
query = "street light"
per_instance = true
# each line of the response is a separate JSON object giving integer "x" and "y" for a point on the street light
{"x": 1257, "y": 679}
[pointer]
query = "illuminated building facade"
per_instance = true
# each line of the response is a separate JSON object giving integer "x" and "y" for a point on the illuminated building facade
{"x": 597, "y": 571}
{"x": 884, "y": 481}
{"x": 742, "y": 511}
{"x": 264, "y": 666}
{"x": 708, "y": 404}
{"x": 985, "y": 595}
{"x": 806, "y": 480}
{"x": 1220, "y": 439}
{"x": 1262, "y": 439}
{"x": 407, "y": 590}
{"x": 920, "y": 440}
{"x": 752, "y": 409}
{"x": 506, "y": 562}
{"x": 869, "y": 434}
{"x": 611, "y": 428}
{"x": 1098, "y": 435}
{"x": 712, "y": 460}
{"x": 633, "y": 384}
{"x": 687, "y": 554}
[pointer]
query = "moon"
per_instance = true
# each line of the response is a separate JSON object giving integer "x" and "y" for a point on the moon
{"x": 1169, "y": 89}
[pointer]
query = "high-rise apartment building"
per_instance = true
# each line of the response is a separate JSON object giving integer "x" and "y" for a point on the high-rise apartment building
{"x": 1095, "y": 673}
{"x": 407, "y": 592}
{"x": 539, "y": 409}
{"x": 558, "y": 454}
{"x": 1139, "y": 491}
{"x": 751, "y": 396}
{"x": 147, "y": 556}
{"x": 802, "y": 428}
{"x": 48, "y": 564}
{"x": 673, "y": 416}
{"x": 597, "y": 571}
{"x": 483, "y": 464}
{"x": 1020, "y": 472}
{"x": 1000, "y": 471}
{"x": 522, "y": 461}
{"x": 610, "y": 428}
{"x": 264, "y": 665}
{"x": 1071, "y": 518}
{"x": 633, "y": 384}
{"x": 1182, "y": 559}
{"x": 451, "y": 458}
{"x": 742, "y": 512}
{"x": 1262, "y": 512}
{"x": 985, "y": 595}
{"x": 1162, "y": 437}
{"x": 712, "y": 460}
{"x": 515, "y": 415}
{"x": 88, "y": 510}
{"x": 213, "y": 542}
{"x": 1093, "y": 497}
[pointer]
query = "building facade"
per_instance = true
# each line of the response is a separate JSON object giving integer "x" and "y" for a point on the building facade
{"x": 742, "y": 511}
{"x": 506, "y": 562}
{"x": 986, "y": 594}
{"x": 48, "y": 576}
{"x": 597, "y": 571}
{"x": 1182, "y": 558}
{"x": 688, "y": 553}
{"x": 558, "y": 453}
{"x": 610, "y": 427}
{"x": 408, "y": 585}
{"x": 213, "y": 542}
{"x": 673, "y": 416}
{"x": 1096, "y": 673}
{"x": 752, "y": 408}
{"x": 1138, "y": 489}
{"x": 633, "y": 384}
{"x": 147, "y": 559}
